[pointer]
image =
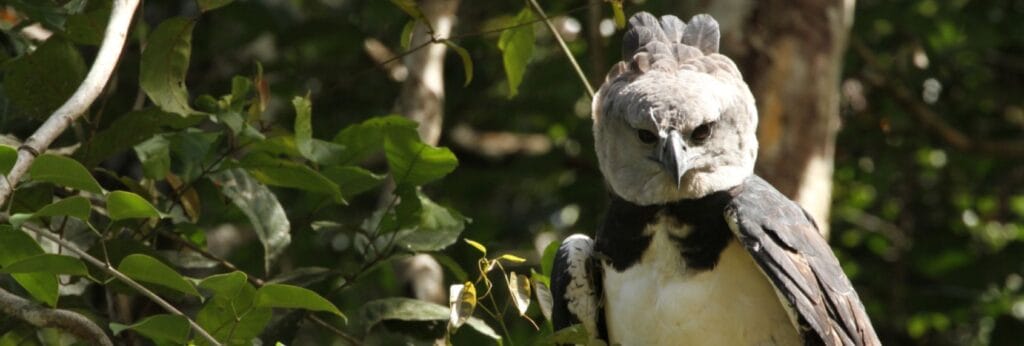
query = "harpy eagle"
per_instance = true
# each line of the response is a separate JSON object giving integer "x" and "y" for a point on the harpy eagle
{"x": 694, "y": 248}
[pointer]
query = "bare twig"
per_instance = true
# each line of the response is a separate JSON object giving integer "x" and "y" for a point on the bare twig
{"x": 565, "y": 49}
{"x": 928, "y": 117}
{"x": 124, "y": 278}
{"x": 74, "y": 107}
{"x": 348, "y": 338}
{"x": 43, "y": 317}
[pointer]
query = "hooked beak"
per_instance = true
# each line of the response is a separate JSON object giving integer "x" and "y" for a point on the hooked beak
{"x": 672, "y": 156}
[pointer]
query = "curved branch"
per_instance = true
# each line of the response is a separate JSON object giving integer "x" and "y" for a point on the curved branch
{"x": 43, "y": 317}
{"x": 79, "y": 102}
{"x": 565, "y": 49}
{"x": 124, "y": 278}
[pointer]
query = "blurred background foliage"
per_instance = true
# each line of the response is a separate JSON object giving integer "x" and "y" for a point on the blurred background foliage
{"x": 928, "y": 203}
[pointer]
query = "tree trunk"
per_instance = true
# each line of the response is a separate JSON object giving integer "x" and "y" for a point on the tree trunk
{"x": 791, "y": 54}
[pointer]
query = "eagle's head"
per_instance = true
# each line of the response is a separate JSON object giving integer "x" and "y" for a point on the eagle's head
{"x": 674, "y": 120}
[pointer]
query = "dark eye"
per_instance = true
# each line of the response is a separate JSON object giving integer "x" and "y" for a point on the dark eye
{"x": 646, "y": 136}
{"x": 702, "y": 132}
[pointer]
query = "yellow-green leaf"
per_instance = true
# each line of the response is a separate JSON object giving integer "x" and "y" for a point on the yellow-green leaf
{"x": 126, "y": 205}
{"x": 16, "y": 246}
{"x": 513, "y": 258}
{"x": 48, "y": 263}
{"x": 150, "y": 270}
{"x": 476, "y": 245}
{"x": 64, "y": 171}
{"x": 467, "y": 62}
{"x": 516, "y": 47}
{"x": 519, "y": 289}
{"x": 293, "y": 297}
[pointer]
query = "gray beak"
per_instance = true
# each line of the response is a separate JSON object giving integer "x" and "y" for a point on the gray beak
{"x": 672, "y": 156}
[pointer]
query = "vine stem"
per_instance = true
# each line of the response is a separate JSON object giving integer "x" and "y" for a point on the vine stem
{"x": 565, "y": 48}
{"x": 91, "y": 87}
{"x": 124, "y": 278}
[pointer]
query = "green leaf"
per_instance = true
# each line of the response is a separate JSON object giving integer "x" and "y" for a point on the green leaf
{"x": 207, "y": 5}
{"x": 519, "y": 289}
{"x": 572, "y": 335}
{"x": 130, "y": 129}
{"x": 407, "y": 309}
{"x": 409, "y": 7}
{"x": 361, "y": 140}
{"x": 76, "y": 206}
{"x": 512, "y": 258}
{"x": 163, "y": 327}
{"x": 406, "y": 37}
{"x": 64, "y": 171}
{"x": 414, "y": 163}
{"x": 352, "y": 180}
{"x": 319, "y": 151}
{"x": 148, "y": 269}
{"x": 126, "y": 205}
{"x": 293, "y": 297}
{"x": 88, "y": 27}
{"x": 439, "y": 228}
{"x": 40, "y": 82}
{"x": 620, "y": 16}
{"x": 48, "y": 263}
{"x": 8, "y": 156}
{"x": 467, "y": 61}
{"x": 230, "y": 314}
{"x": 155, "y": 155}
{"x": 516, "y": 47}
{"x": 548, "y": 259}
{"x": 164, "y": 64}
{"x": 261, "y": 207}
{"x": 544, "y": 299}
{"x": 277, "y": 172}
{"x": 16, "y": 246}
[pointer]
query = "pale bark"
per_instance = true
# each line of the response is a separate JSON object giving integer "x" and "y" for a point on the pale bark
{"x": 791, "y": 53}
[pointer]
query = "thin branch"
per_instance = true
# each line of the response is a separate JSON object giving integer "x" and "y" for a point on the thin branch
{"x": 124, "y": 278}
{"x": 43, "y": 317}
{"x": 348, "y": 338}
{"x": 928, "y": 117}
{"x": 79, "y": 102}
{"x": 565, "y": 49}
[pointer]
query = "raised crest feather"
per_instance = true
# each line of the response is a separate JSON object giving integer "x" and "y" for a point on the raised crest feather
{"x": 703, "y": 33}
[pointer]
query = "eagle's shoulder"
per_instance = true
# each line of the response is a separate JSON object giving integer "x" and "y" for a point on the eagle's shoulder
{"x": 785, "y": 242}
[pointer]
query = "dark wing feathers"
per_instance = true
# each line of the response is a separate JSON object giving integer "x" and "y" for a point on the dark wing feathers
{"x": 786, "y": 244}
{"x": 576, "y": 287}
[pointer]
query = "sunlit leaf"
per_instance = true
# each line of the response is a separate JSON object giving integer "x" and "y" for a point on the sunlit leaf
{"x": 467, "y": 61}
{"x": 462, "y": 302}
{"x": 38, "y": 83}
{"x": 261, "y": 207}
{"x": 548, "y": 259}
{"x": 516, "y": 47}
{"x": 64, "y": 171}
{"x": 478, "y": 246}
{"x": 164, "y": 65}
{"x": 414, "y": 163}
{"x": 75, "y": 206}
{"x": 406, "y": 37}
{"x": 15, "y": 246}
{"x": 407, "y": 309}
{"x": 512, "y": 258}
{"x": 8, "y": 156}
{"x": 163, "y": 327}
{"x": 366, "y": 138}
{"x": 316, "y": 150}
{"x": 519, "y": 289}
{"x": 126, "y": 205}
{"x": 150, "y": 270}
{"x": 293, "y": 297}
{"x": 48, "y": 263}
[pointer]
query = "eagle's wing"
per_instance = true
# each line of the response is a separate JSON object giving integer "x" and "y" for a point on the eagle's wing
{"x": 575, "y": 286}
{"x": 785, "y": 242}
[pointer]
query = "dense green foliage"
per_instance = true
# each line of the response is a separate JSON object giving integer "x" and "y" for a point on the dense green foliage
{"x": 239, "y": 165}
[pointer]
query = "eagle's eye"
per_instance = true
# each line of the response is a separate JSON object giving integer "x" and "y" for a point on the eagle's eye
{"x": 646, "y": 136}
{"x": 702, "y": 132}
